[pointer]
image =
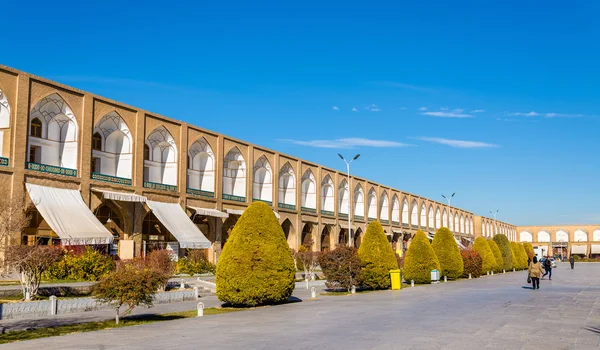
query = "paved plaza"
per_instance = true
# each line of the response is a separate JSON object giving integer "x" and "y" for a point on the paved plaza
{"x": 495, "y": 312}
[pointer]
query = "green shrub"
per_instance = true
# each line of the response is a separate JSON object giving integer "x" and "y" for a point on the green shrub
{"x": 482, "y": 247}
{"x": 89, "y": 265}
{"x": 341, "y": 268}
{"x": 524, "y": 256}
{"x": 529, "y": 250}
{"x": 519, "y": 257}
{"x": 472, "y": 262}
{"x": 256, "y": 266}
{"x": 420, "y": 260}
{"x": 195, "y": 263}
{"x": 504, "y": 245}
{"x": 497, "y": 255}
{"x": 377, "y": 258}
{"x": 448, "y": 254}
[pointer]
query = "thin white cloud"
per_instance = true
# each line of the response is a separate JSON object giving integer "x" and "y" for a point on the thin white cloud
{"x": 373, "y": 108}
{"x": 376, "y": 110}
{"x": 347, "y": 143}
{"x": 406, "y": 86}
{"x": 335, "y": 108}
{"x": 354, "y": 109}
{"x": 423, "y": 109}
{"x": 444, "y": 109}
{"x": 458, "y": 110}
{"x": 457, "y": 143}
{"x": 478, "y": 111}
{"x": 547, "y": 115}
{"x": 447, "y": 115}
{"x": 528, "y": 114}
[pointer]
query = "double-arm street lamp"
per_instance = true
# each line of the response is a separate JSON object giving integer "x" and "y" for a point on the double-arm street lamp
{"x": 495, "y": 213}
{"x": 449, "y": 199}
{"x": 349, "y": 210}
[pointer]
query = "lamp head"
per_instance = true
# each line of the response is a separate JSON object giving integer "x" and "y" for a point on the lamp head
{"x": 443, "y": 196}
{"x": 356, "y": 157}
{"x": 453, "y": 194}
{"x": 341, "y": 156}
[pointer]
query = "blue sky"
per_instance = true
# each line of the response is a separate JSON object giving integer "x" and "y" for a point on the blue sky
{"x": 496, "y": 102}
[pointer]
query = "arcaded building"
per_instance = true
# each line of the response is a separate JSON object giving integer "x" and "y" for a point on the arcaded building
{"x": 90, "y": 170}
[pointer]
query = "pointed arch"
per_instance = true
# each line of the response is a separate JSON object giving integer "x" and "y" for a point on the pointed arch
{"x": 372, "y": 204}
{"x": 462, "y": 224}
{"x": 4, "y": 120}
{"x": 543, "y": 236}
{"x": 112, "y": 147}
{"x": 287, "y": 186}
{"x": 456, "y": 222}
{"x": 57, "y": 144}
{"x": 414, "y": 213}
{"x": 525, "y": 236}
{"x": 343, "y": 197}
{"x": 201, "y": 167}
{"x": 327, "y": 195}
{"x": 162, "y": 165}
{"x": 384, "y": 213}
{"x": 234, "y": 175}
{"x": 395, "y": 210}
{"x": 596, "y": 235}
{"x": 359, "y": 202}
{"x": 309, "y": 190}
{"x": 404, "y": 211}
{"x": 445, "y": 218}
{"x": 561, "y": 236}
{"x": 580, "y": 236}
{"x": 262, "y": 181}
{"x": 430, "y": 217}
{"x": 438, "y": 218}
{"x": 451, "y": 221}
{"x": 423, "y": 215}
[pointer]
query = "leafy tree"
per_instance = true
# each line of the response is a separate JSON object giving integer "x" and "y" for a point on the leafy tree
{"x": 308, "y": 259}
{"x": 30, "y": 263}
{"x": 523, "y": 255}
{"x": 448, "y": 254}
{"x": 377, "y": 258}
{"x": 497, "y": 255}
{"x": 256, "y": 266}
{"x": 420, "y": 259}
{"x": 341, "y": 268}
{"x": 195, "y": 262}
{"x": 482, "y": 247}
{"x": 504, "y": 245}
{"x": 529, "y": 250}
{"x": 133, "y": 283}
{"x": 472, "y": 262}
{"x": 162, "y": 261}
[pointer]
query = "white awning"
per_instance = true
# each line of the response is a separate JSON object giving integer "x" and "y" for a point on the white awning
{"x": 209, "y": 212}
{"x": 595, "y": 248}
{"x": 68, "y": 216}
{"x": 397, "y": 231}
{"x": 179, "y": 224}
{"x": 234, "y": 211}
{"x": 276, "y": 214}
{"x": 579, "y": 249}
{"x": 459, "y": 244}
{"x": 122, "y": 196}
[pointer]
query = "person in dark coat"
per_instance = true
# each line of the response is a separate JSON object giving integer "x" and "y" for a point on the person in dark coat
{"x": 548, "y": 268}
{"x": 572, "y": 261}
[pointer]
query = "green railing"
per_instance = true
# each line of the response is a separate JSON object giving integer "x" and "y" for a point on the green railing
{"x": 112, "y": 179}
{"x": 309, "y": 210}
{"x": 414, "y": 226}
{"x": 327, "y": 212}
{"x": 4, "y": 161}
{"x": 51, "y": 169}
{"x": 262, "y": 200}
{"x": 231, "y": 197}
{"x": 343, "y": 216}
{"x": 386, "y": 222}
{"x": 395, "y": 222}
{"x": 404, "y": 224}
{"x": 201, "y": 193}
{"x": 359, "y": 217}
{"x": 157, "y": 186}
{"x": 287, "y": 206}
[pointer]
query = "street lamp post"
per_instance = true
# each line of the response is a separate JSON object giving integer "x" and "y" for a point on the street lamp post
{"x": 495, "y": 213}
{"x": 449, "y": 199}
{"x": 349, "y": 209}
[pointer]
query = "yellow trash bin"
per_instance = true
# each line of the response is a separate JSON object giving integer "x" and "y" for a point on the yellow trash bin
{"x": 396, "y": 280}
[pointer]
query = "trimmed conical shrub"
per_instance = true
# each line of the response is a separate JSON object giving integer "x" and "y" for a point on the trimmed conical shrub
{"x": 517, "y": 256}
{"x": 515, "y": 259}
{"x": 420, "y": 260}
{"x": 377, "y": 258}
{"x": 506, "y": 250}
{"x": 497, "y": 255}
{"x": 482, "y": 247}
{"x": 524, "y": 256}
{"x": 448, "y": 254}
{"x": 256, "y": 266}
{"x": 529, "y": 250}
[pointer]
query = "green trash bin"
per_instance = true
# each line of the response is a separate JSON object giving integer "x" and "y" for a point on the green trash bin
{"x": 396, "y": 279}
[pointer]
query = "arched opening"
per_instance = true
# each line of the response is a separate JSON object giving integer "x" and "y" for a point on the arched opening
{"x": 596, "y": 235}
{"x": 262, "y": 183}
{"x": 423, "y": 216}
{"x": 53, "y": 133}
{"x": 395, "y": 210}
{"x": 5, "y": 121}
{"x": 38, "y": 232}
{"x": 456, "y": 222}
{"x": 155, "y": 235}
{"x": 384, "y": 213}
{"x": 543, "y": 236}
{"x": 307, "y": 239}
{"x": 327, "y": 196}
{"x": 359, "y": 203}
{"x": 430, "y": 221}
{"x": 161, "y": 167}
{"x": 344, "y": 198}
{"x": 372, "y": 204}
{"x": 444, "y": 218}
{"x": 290, "y": 233}
{"x": 405, "y": 212}
{"x": 114, "y": 223}
{"x": 227, "y": 227}
{"x": 358, "y": 236}
{"x": 326, "y": 238}
{"x": 580, "y": 236}
{"x": 234, "y": 176}
{"x": 201, "y": 167}
{"x": 462, "y": 224}
{"x": 525, "y": 237}
{"x": 287, "y": 186}
{"x": 309, "y": 190}
{"x": 343, "y": 237}
{"x": 414, "y": 214}
{"x": 112, "y": 147}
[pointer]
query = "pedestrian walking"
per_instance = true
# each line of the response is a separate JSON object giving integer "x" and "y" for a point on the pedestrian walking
{"x": 535, "y": 271}
{"x": 572, "y": 261}
{"x": 547, "y": 268}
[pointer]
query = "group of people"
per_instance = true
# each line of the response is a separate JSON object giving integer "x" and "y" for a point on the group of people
{"x": 538, "y": 270}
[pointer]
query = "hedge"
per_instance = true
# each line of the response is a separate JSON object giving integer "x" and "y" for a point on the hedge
{"x": 341, "y": 268}
{"x": 506, "y": 250}
{"x": 448, "y": 254}
{"x": 86, "y": 265}
{"x": 529, "y": 250}
{"x": 497, "y": 256}
{"x": 482, "y": 247}
{"x": 256, "y": 265}
{"x": 515, "y": 259}
{"x": 472, "y": 262}
{"x": 420, "y": 259}
{"x": 377, "y": 258}
{"x": 520, "y": 255}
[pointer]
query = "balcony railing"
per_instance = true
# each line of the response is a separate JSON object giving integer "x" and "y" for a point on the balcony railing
{"x": 231, "y": 197}
{"x": 359, "y": 217}
{"x": 262, "y": 200}
{"x": 327, "y": 212}
{"x": 386, "y": 222}
{"x": 4, "y": 161}
{"x": 51, "y": 169}
{"x": 343, "y": 216}
{"x": 405, "y": 224}
{"x": 286, "y": 206}
{"x": 201, "y": 193}
{"x": 309, "y": 210}
{"x": 157, "y": 186}
{"x": 395, "y": 222}
{"x": 111, "y": 179}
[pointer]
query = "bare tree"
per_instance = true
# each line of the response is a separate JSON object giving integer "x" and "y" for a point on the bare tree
{"x": 308, "y": 259}
{"x": 12, "y": 222}
{"x": 30, "y": 262}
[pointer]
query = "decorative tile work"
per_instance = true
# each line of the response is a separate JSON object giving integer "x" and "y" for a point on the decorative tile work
{"x": 157, "y": 186}
{"x": 386, "y": 222}
{"x": 51, "y": 169}
{"x": 262, "y": 200}
{"x": 327, "y": 212}
{"x": 309, "y": 210}
{"x": 112, "y": 179}
{"x": 342, "y": 215}
{"x": 195, "y": 192}
{"x": 396, "y": 223}
{"x": 4, "y": 161}
{"x": 287, "y": 206}
{"x": 231, "y": 197}
{"x": 359, "y": 217}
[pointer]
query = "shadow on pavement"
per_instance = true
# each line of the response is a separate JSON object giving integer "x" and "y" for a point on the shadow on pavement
{"x": 526, "y": 287}
{"x": 593, "y": 329}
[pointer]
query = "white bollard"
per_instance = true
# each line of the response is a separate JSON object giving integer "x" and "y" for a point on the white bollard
{"x": 307, "y": 286}
{"x": 196, "y": 292}
{"x": 27, "y": 294}
{"x": 492, "y": 273}
{"x": 412, "y": 283}
{"x": 313, "y": 293}
{"x": 488, "y": 273}
{"x": 52, "y": 305}
{"x": 353, "y": 290}
{"x": 514, "y": 269}
{"x": 445, "y": 279}
{"x": 503, "y": 271}
{"x": 470, "y": 276}
{"x": 182, "y": 285}
{"x": 200, "y": 309}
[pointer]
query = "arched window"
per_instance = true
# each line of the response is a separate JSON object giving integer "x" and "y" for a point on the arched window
{"x": 327, "y": 195}
{"x": 146, "y": 152}
{"x": 580, "y": 236}
{"x": 395, "y": 209}
{"x": 444, "y": 218}
{"x": 359, "y": 202}
{"x": 414, "y": 214}
{"x": 423, "y": 216}
{"x": 543, "y": 236}
{"x": 525, "y": 236}
{"x": 344, "y": 197}
{"x": 384, "y": 213}
{"x": 372, "y": 202}
{"x": 234, "y": 174}
{"x": 462, "y": 224}
{"x": 405, "y": 211}
{"x": 35, "y": 128}
{"x": 97, "y": 142}
{"x": 262, "y": 183}
{"x": 162, "y": 165}
{"x": 201, "y": 167}
{"x": 596, "y": 235}
{"x": 309, "y": 190}
{"x": 438, "y": 218}
{"x": 287, "y": 185}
